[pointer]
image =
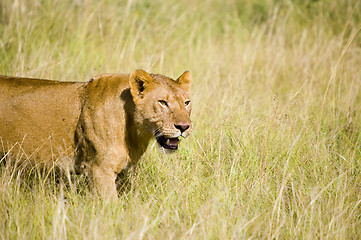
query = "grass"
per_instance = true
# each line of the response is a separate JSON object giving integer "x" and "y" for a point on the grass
{"x": 275, "y": 150}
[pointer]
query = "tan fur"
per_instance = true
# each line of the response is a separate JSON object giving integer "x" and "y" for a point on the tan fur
{"x": 97, "y": 128}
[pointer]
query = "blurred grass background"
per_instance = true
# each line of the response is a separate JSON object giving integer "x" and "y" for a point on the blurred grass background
{"x": 275, "y": 150}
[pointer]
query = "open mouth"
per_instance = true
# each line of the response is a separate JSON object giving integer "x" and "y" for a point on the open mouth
{"x": 168, "y": 143}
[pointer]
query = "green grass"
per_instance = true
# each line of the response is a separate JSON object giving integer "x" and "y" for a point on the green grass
{"x": 275, "y": 150}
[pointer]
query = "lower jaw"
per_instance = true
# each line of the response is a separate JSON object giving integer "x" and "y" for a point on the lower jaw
{"x": 166, "y": 143}
{"x": 170, "y": 148}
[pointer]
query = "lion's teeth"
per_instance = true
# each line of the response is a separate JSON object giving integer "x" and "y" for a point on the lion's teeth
{"x": 168, "y": 141}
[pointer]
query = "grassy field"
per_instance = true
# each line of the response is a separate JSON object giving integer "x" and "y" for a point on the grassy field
{"x": 276, "y": 146}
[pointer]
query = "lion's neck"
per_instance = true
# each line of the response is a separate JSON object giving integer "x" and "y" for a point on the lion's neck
{"x": 137, "y": 141}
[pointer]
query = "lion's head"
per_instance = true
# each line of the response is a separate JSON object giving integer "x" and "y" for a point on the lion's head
{"x": 162, "y": 105}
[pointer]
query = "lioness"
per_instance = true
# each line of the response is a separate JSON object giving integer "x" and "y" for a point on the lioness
{"x": 96, "y": 128}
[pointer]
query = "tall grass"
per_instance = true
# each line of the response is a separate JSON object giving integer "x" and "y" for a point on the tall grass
{"x": 275, "y": 151}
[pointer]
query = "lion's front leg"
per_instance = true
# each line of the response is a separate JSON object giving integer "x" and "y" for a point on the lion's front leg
{"x": 104, "y": 169}
{"x": 103, "y": 181}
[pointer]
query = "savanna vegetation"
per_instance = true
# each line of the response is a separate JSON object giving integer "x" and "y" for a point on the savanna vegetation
{"x": 276, "y": 146}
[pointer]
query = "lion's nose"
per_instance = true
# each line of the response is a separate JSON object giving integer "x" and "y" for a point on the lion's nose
{"x": 182, "y": 127}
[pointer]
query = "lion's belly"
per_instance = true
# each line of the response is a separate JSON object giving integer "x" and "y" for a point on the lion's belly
{"x": 48, "y": 140}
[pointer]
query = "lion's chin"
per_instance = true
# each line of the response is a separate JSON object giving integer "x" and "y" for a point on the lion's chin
{"x": 168, "y": 143}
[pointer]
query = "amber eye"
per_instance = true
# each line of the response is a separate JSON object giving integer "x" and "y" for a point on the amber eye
{"x": 187, "y": 103}
{"x": 163, "y": 103}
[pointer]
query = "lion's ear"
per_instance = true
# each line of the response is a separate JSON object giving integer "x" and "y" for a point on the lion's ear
{"x": 185, "y": 81}
{"x": 139, "y": 80}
